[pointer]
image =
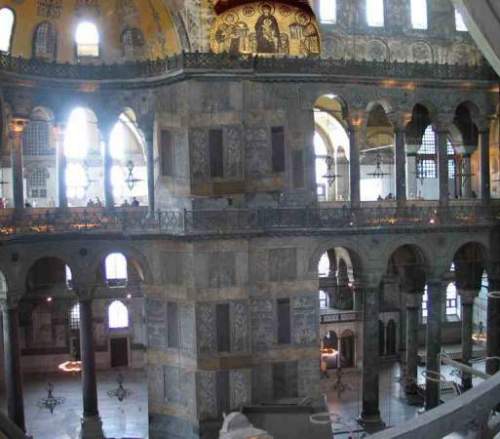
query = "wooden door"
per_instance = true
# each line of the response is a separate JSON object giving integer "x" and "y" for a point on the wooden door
{"x": 119, "y": 352}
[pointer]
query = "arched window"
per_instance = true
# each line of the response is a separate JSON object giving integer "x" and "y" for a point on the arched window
{"x": 36, "y": 182}
{"x": 132, "y": 42}
{"x": 6, "y": 27}
{"x": 117, "y": 315}
{"x": 45, "y": 41}
{"x": 460, "y": 25}
{"x": 324, "y": 265}
{"x": 419, "y": 14}
{"x": 426, "y": 156}
{"x": 69, "y": 277}
{"x": 452, "y": 300}
{"x": 375, "y": 15}
{"x": 116, "y": 270}
{"x": 328, "y": 11}
{"x": 37, "y": 141}
{"x": 425, "y": 299}
{"x": 74, "y": 317}
{"x": 87, "y": 40}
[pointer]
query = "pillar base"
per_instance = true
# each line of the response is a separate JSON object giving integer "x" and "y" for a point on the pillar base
{"x": 371, "y": 423}
{"x": 91, "y": 428}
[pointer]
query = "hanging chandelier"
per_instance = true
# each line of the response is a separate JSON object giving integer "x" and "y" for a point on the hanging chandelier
{"x": 330, "y": 175}
{"x": 131, "y": 180}
{"x": 378, "y": 172}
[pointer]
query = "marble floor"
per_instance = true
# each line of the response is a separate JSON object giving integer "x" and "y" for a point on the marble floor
{"x": 129, "y": 418}
{"x": 126, "y": 419}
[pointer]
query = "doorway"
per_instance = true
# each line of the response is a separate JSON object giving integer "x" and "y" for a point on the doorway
{"x": 119, "y": 352}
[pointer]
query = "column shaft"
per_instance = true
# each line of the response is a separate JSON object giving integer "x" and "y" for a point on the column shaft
{"x": 61, "y": 169}
{"x": 13, "y": 372}
{"x": 467, "y": 316}
{"x": 485, "y": 165}
{"x": 411, "y": 176}
{"x": 411, "y": 348}
{"x": 108, "y": 165}
{"x": 493, "y": 330}
{"x": 16, "y": 155}
{"x": 399, "y": 142}
{"x": 466, "y": 177}
{"x": 370, "y": 410}
{"x": 89, "y": 382}
{"x": 151, "y": 171}
{"x": 442, "y": 153}
{"x": 433, "y": 344}
{"x": 354, "y": 169}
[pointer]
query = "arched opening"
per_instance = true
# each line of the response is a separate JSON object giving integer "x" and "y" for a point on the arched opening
{"x": 45, "y": 41}
{"x": 331, "y": 149}
{"x": 336, "y": 280}
{"x": 83, "y": 153}
{"x": 87, "y": 40}
{"x": 116, "y": 270}
{"x": 128, "y": 155}
{"x": 377, "y": 159}
{"x": 7, "y": 20}
{"x": 118, "y": 317}
{"x": 347, "y": 349}
{"x": 39, "y": 160}
{"x": 375, "y": 13}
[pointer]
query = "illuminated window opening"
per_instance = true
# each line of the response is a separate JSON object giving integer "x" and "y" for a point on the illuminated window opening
{"x": 375, "y": 16}
{"x": 74, "y": 317}
{"x": 6, "y": 28}
{"x": 328, "y": 11}
{"x": 118, "y": 315}
{"x": 460, "y": 25}
{"x": 69, "y": 277}
{"x": 323, "y": 299}
{"x": 116, "y": 270}
{"x": 87, "y": 40}
{"x": 419, "y": 14}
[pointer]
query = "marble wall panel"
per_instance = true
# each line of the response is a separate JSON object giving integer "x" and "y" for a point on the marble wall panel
{"x": 205, "y": 328}
{"x": 240, "y": 387}
{"x": 305, "y": 320}
{"x": 172, "y": 268}
{"x": 221, "y": 269}
{"x": 282, "y": 264}
{"x": 156, "y": 327}
{"x": 187, "y": 328}
{"x": 239, "y": 326}
{"x": 198, "y": 146}
{"x": 233, "y": 151}
{"x": 263, "y": 324}
{"x": 206, "y": 394}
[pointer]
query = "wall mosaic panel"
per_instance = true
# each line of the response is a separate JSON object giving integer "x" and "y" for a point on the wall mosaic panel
{"x": 239, "y": 327}
{"x": 305, "y": 320}
{"x": 240, "y": 385}
{"x": 265, "y": 28}
{"x": 206, "y": 395}
{"x": 263, "y": 330}
{"x": 205, "y": 328}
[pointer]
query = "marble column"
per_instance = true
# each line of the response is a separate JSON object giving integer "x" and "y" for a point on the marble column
{"x": 467, "y": 298}
{"x": 370, "y": 413}
{"x": 411, "y": 170}
{"x": 413, "y": 306}
{"x": 12, "y": 364}
{"x": 399, "y": 142}
{"x": 354, "y": 166}
{"x": 493, "y": 329}
{"x": 149, "y": 136}
{"x": 442, "y": 158}
{"x": 435, "y": 291}
{"x": 17, "y": 127}
{"x": 91, "y": 423}
{"x": 61, "y": 166}
{"x": 484, "y": 139}
{"x": 109, "y": 201}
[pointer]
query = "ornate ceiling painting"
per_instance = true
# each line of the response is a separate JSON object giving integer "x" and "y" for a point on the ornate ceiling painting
{"x": 266, "y": 29}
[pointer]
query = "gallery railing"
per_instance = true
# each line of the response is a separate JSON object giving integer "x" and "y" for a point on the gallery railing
{"x": 201, "y": 62}
{"x": 330, "y": 316}
{"x": 226, "y": 221}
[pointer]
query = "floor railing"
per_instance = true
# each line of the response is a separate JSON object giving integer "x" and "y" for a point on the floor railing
{"x": 179, "y": 222}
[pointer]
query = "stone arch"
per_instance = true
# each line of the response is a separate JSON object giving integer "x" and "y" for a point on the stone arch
{"x": 411, "y": 265}
{"x": 470, "y": 261}
{"x": 134, "y": 257}
{"x": 421, "y": 52}
{"x": 481, "y": 243}
{"x": 385, "y": 103}
{"x": 377, "y": 50}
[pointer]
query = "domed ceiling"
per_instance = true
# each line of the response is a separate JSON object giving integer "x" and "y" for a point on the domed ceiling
{"x": 146, "y": 25}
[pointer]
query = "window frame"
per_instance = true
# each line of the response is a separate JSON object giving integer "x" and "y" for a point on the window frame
{"x": 115, "y": 303}
{"x": 76, "y": 44}
{"x": 333, "y": 11}
{"x": 414, "y": 25}
{"x": 115, "y": 282}
{"x": 12, "y": 30}
{"x": 459, "y": 20}
{"x": 52, "y": 28}
{"x": 372, "y": 24}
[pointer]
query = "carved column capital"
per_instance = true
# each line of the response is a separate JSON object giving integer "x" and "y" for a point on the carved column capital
{"x": 399, "y": 119}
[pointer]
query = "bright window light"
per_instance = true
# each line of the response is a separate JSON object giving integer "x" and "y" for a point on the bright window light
{"x": 324, "y": 265}
{"x": 6, "y": 27}
{"x": 117, "y": 315}
{"x": 375, "y": 13}
{"x": 419, "y": 14}
{"x": 117, "y": 141}
{"x": 116, "y": 267}
{"x": 77, "y": 181}
{"x": 87, "y": 39}
{"x": 69, "y": 277}
{"x": 328, "y": 11}
{"x": 76, "y": 138}
{"x": 74, "y": 317}
{"x": 459, "y": 22}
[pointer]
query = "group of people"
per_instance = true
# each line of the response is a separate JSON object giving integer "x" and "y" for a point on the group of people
{"x": 98, "y": 203}
{"x": 389, "y": 197}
